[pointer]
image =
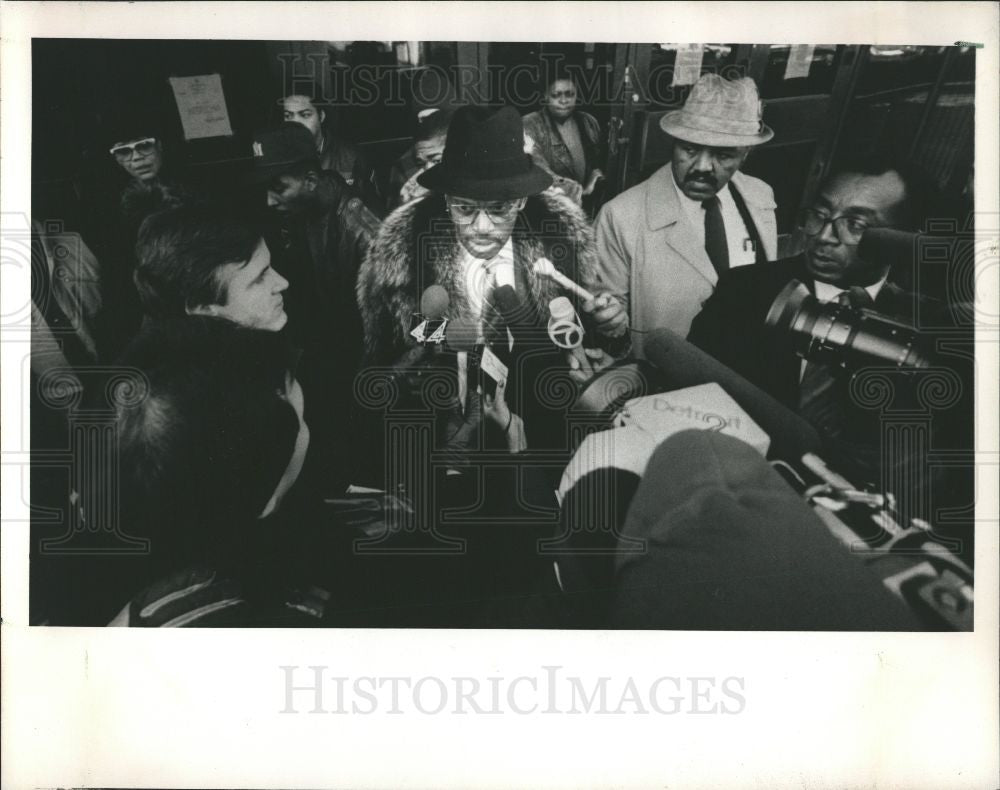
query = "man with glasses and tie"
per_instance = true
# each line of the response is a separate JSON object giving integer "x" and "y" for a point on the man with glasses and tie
{"x": 731, "y": 326}
{"x": 488, "y": 217}
{"x": 663, "y": 243}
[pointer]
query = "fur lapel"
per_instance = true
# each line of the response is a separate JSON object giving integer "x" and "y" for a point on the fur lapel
{"x": 416, "y": 247}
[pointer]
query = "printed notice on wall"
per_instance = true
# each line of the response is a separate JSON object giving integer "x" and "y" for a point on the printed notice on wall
{"x": 202, "y": 106}
{"x": 800, "y": 58}
{"x": 687, "y": 66}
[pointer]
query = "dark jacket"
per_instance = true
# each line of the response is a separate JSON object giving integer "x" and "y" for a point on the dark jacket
{"x": 353, "y": 166}
{"x": 319, "y": 254}
{"x": 550, "y": 146}
{"x": 731, "y": 325}
{"x": 400, "y": 172}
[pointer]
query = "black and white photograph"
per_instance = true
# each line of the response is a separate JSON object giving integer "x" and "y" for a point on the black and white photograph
{"x": 522, "y": 335}
{"x": 436, "y": 341}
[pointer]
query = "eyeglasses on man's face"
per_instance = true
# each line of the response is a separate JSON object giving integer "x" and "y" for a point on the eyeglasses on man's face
{"x": 124, "y": 153}
{"x": 848, "y": 229}
{"x": 465, "y": 212}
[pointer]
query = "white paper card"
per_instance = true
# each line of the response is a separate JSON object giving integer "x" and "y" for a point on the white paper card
{"x": 800, "y": 58}
{"x": 491, "y": 365}
{"x": 687, "y": 66}
{"x": 202, "y": 106}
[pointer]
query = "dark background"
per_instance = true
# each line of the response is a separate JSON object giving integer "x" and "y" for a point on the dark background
{"x": 917, "y": 101}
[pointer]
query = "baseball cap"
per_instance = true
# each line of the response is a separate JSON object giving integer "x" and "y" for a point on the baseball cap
{"x": 276, "y": 151}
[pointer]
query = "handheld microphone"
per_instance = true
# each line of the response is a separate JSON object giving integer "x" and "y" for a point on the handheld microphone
{"x": 565, "y": 329}
{"x": 461, "y": 334}
{"x": 434, "y": 302}
{"x": 520, "y": 317}
{"x": 458, "y": 335}
{"x": 430, "y": 324}
{"x": 545, "y": 268}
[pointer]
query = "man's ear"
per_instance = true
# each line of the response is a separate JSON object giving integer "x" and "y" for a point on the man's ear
{"x": 322, "y": 116}
{"x": 311, "y": 180}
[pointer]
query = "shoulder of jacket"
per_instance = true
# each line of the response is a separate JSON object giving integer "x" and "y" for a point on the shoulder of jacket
{"x": 357, "y": 214}
{"x": 754, "y": 190}
{"x": 629, "y": 201}
{"x": 589, "y": 120}
{"x": 533, "y": 121}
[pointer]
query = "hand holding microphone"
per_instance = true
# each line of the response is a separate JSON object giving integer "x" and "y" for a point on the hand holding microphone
{"x": 566, "y": 332}
{"x": 610, "y": 317}
{"x": 608, "y": 314}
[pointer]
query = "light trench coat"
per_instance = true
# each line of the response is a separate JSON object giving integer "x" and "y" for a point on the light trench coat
{"x": 650, "y": 258}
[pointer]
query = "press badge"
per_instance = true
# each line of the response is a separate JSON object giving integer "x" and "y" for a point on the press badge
{"x": 490, "y": 363}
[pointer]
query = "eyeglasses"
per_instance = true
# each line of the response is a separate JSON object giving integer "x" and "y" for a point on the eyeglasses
{"x": 497, "y": 211}
{"x": 123, "y": 153}
{"x": 848, "y": 229}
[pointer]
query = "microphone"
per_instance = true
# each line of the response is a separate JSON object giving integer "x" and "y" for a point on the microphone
{"x": 683, "y": 364}
{"x": 566, "y": 331}
{"x": 430, "y": 324}
{"x": 519, "y": 316}
{"x": 543, "y": 267}
{"x": 458, "y": 335}
{"x": 895, "y": 248}
{"x": 461, "y": 335}
{"x": 434, "y": 302}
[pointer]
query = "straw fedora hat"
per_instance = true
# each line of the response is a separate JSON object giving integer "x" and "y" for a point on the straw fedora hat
{"x": 484, "y": 158}
{"x": 719, "y": 112}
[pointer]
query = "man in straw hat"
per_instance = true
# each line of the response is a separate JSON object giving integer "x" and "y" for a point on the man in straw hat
{"x": 663, "y": 243}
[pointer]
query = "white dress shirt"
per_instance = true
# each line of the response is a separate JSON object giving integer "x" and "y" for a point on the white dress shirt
{"x": 481, "y": 276}
{"x": 825, "y": 292}
{"x": 741, "y": 251}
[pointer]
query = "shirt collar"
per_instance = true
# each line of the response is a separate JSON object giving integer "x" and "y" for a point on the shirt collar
{"x": 505, "y": 255}
{"x": 827, "y": 292}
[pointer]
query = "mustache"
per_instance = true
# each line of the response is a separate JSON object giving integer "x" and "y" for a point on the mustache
{"x": 699, "y": 178}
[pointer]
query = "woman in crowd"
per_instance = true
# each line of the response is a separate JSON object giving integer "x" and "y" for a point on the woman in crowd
{"x": 566, "y": 140}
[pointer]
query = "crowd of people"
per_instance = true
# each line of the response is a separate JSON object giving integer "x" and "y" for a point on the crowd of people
{"x": 299, "y": 456}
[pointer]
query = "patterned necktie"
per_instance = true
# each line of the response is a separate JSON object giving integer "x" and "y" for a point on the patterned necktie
{"x": 818, "y": 399}
{"x": 716, "y": 244}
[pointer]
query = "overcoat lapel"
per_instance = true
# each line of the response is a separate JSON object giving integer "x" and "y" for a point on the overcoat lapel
{"x": 663, "y": 210}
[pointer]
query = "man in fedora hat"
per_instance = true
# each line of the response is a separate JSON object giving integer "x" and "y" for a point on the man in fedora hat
{"x": 485, "y": 221}
{"x": 663, "y": 243}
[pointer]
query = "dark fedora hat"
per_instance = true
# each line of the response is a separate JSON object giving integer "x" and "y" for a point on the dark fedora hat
{"x": 484, "y": 158}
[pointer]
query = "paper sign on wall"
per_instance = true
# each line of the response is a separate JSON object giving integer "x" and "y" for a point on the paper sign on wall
{"x": 800, "y": 58}
{"x": 202, "y": 106}
{"x": 687, "y": 65}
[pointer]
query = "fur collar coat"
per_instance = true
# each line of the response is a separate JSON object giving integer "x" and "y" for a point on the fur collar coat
{"x": 417, "y": 247}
